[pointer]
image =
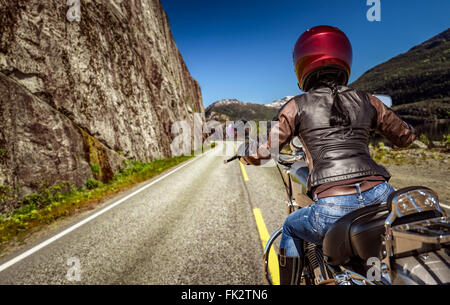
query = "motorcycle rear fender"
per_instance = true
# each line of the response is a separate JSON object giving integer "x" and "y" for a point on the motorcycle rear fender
{"x": 429, "y": 268}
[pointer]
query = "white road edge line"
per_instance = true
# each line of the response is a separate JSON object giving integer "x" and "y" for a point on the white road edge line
{"x": 93, "y": 216}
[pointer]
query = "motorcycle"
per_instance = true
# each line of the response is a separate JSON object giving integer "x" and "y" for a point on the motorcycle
{"x": 404, "y": 241}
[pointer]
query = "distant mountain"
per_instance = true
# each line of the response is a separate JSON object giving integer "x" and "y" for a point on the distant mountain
{"x": 232, "y": 109}
{"x": 278, "y": 103}
{"x": 418, "y": 81}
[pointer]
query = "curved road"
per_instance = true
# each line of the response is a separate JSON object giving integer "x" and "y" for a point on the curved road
{"x": 195, "y": 226}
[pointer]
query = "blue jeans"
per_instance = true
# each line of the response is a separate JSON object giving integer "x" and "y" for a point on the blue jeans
{"x": 311, "y": 223}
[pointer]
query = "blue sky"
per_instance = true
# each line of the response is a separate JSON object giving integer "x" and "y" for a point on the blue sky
{"x": 243, "y": 48}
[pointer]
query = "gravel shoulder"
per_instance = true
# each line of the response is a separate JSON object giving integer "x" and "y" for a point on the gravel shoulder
{"x": 417, "y": 166}
{"x": 434, "y": 175}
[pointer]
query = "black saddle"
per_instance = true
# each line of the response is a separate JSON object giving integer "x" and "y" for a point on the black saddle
{"x": 359, "y": 233}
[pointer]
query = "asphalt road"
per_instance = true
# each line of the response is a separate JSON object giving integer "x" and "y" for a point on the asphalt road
{"x": 193, "y": 226}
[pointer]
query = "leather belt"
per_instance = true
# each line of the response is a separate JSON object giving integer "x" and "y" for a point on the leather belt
{"x": 341, "y": 190}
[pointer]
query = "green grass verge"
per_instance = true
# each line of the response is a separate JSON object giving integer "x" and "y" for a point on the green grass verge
{"x": 65, "y": 199}
{"x": 412, "y": 156}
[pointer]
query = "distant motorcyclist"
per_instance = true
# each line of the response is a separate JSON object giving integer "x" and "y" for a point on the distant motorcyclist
{"x": 334, "y": 123}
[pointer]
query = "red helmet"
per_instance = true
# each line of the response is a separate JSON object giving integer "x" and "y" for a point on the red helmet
{"x": 322, "y": 48}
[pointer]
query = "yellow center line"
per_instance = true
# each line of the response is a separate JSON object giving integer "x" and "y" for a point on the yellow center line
{"x": 264, "y": 236}
{"x": 244, "y": 172}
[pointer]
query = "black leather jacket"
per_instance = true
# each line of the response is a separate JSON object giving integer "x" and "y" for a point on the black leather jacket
{"x": 336, "y": 153}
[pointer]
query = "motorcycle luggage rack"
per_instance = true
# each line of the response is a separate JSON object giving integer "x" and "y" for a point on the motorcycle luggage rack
{"x": 419, "y": 234}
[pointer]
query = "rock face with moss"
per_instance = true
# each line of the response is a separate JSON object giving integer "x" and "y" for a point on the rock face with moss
{"x": 78, "y": 97}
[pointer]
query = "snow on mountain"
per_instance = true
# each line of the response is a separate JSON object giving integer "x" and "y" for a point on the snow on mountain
{"x": 279, "y": 103}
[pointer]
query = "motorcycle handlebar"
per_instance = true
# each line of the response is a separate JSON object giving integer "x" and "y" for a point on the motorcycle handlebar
{"x": 281, "y": 159}
{"x": 231, "y": 159}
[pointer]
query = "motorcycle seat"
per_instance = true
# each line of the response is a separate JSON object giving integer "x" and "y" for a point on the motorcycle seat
{"x": 359, "y": 233}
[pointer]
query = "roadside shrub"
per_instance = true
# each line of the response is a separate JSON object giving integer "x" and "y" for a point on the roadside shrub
{"x": 5, "y": 191}
{"x": 95, "y": 168}
{"x": 446, "y": 140}
{"x": 423, "y": 138}
{"x": 92, "y": 184}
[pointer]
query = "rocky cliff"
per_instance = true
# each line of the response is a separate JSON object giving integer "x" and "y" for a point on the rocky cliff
{"x": 78, "y": 97}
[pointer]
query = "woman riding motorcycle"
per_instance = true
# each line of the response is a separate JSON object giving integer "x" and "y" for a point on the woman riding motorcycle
{"x": 334, "y": 123}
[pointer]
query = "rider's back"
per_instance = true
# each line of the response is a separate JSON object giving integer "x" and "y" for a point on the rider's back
{"x": 339, "y": 152}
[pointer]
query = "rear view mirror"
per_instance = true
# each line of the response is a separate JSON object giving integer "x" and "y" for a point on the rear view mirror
{"x": 296, "y": 144}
